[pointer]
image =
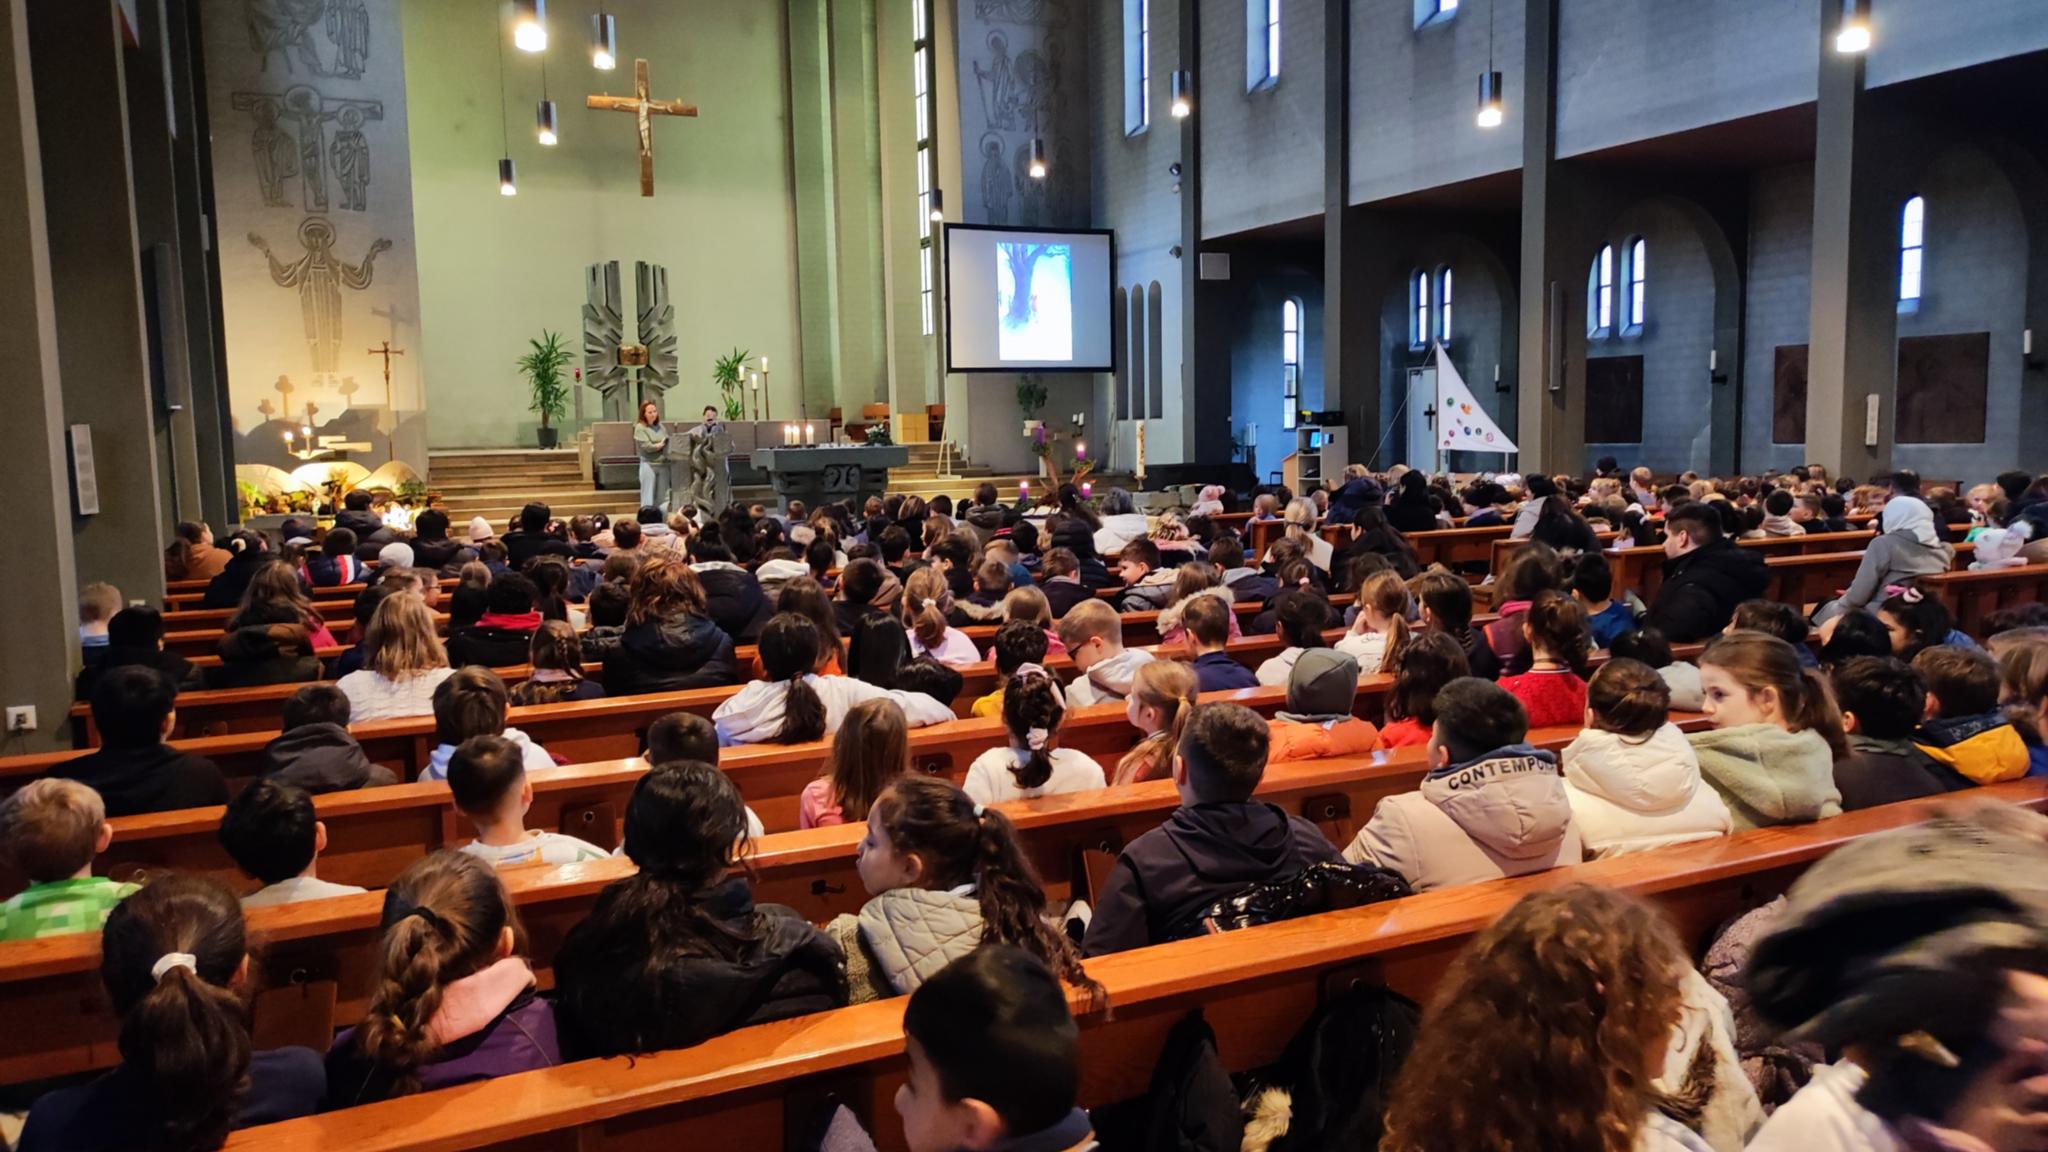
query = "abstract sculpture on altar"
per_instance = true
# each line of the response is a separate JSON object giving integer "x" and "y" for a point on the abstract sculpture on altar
{"x": 709, "y": 485}
{"x": 610, "y": 363}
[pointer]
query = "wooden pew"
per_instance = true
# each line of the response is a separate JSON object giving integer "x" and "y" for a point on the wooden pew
{"x": 1972, "y": 596}
{"x": 748, "y": 1089}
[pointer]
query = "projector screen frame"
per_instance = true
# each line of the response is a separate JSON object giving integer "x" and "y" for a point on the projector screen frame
{"x": 945, "y": 255}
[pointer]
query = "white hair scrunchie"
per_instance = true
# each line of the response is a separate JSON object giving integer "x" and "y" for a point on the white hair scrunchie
{"x": 170, "y": 960}
{"x": 978, "y": 811}
{"x": 1037, "y": 738}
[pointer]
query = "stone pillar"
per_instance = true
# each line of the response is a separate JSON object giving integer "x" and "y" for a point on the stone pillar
{"x": 1551, "y": 426}
{"x": 39, "y": 574}
{"x": 81, "y": 113}
{"x": 1351, "y": 375}
{"x": 1205, "y": 342}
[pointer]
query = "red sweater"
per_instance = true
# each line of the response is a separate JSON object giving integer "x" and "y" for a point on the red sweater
{"x": 1409, "y": 733}
{"x": 1551, "y": 696}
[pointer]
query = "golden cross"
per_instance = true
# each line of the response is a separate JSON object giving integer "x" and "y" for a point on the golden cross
{"x": 642, "y": 107}
{"x": 387, "y": 352}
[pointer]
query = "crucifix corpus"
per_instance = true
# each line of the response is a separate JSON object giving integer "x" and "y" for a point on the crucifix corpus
{"x": 642, "y": 107}
{"x": 387, "y": 352}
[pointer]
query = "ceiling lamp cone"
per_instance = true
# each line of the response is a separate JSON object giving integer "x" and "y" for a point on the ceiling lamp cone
{"x": 604, "y": 42}
{"x": 1491, "y": 110}
{"x": 508, "y": 177}
{"x": 938, "y": 205}
{"x": 530, "y": 25}
{"x": 1183, "y": 94}
{"x": 544, "y": 122}
{"x": 1038, "y": 157}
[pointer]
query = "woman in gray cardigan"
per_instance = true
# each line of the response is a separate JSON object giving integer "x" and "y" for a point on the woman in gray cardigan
{"x": 1909, "y": 546}
{"x": 650, "y": 443}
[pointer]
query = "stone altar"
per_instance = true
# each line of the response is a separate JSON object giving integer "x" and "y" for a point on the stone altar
{"x": 829, "y": 472}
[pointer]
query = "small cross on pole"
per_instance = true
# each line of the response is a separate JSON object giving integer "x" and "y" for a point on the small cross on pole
{"x": 387, "y": 352}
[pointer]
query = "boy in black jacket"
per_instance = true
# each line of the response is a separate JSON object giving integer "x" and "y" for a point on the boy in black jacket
{"x": 1218, "y": 843}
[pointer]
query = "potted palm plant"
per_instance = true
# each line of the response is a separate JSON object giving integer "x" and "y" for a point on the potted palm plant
{"x": 547, "y": 394}
{"x": 726, "y": 372}
{"x": 1031, "y": 396}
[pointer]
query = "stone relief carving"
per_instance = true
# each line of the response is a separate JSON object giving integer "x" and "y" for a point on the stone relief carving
{"x": 998, "y": 97}
{"x": 1040, "y": 12}
{"x": 284, "y": 28}
{"x": 299, "y": 116}
{"x": 349, "y": 152}
{"x": 996, "y": 184}
{"x": 348, "y": 29}
{"x": 320, "y": 276}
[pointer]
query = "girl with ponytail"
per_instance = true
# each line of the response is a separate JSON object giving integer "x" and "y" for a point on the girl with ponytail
{"x": 795, "y": 704}
{"x": 1033, "y": 764}
{"x": 1162, "y": 695}
{"x": 1381, "y": 630}
{"x": 454, "y": 1001}
{"x": 1776, "y": 735}
{"x": 927, "y": 601}
{"x": 945, "y": 875}
{"x": 175, "y": 958}
{"x": 1553, "y": 690}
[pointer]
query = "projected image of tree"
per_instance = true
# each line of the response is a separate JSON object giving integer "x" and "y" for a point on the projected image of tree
{"x": 1035, "y": 301}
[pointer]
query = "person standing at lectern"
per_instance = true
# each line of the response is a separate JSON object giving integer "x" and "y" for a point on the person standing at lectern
{"x": 710, "y": 421}
{"x": 650, "y": 443}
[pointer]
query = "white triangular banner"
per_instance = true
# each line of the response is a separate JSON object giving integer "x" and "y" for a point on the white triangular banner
{"x": 1461, "y": 424}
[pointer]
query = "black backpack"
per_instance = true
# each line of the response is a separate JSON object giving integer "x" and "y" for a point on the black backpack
{"x": 1324, "y": 887}
{"x": 1337, "y": 1073}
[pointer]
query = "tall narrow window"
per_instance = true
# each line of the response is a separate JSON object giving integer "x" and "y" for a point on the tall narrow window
{"x": 1137, "y": 65}
{"x": 927, "y": 161}
{"x": 1443, "y": 304}
{"x": 1600, "y": 293}
{"x": 1290, "y": 362}
{"x": 1912, "y": 233}
{"x": 1261, "y": 44}
{"x": 1434, "y": 11}
{"x": 1418, "y": 336}
{"x": 1637, "y": 251}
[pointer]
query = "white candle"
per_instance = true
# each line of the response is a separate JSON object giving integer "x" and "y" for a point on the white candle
{"x": 810, "y": 433}
{"x": 1713, "y": 359}
{"x": 764, "y": 363}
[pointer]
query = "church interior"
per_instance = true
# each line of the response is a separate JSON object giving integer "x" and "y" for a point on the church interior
{"x": 1187, "y": 265}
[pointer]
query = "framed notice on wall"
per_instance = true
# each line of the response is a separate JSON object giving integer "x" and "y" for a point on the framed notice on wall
{"x": 85, "y": 481}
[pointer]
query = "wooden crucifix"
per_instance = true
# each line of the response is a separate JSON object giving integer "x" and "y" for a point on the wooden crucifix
{"x": 387, "y": 352}
{"x": 642, "y": 107}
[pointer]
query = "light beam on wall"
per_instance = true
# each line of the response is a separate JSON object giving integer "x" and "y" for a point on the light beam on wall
{"x": 1852, "y": 35}
{"x": 604, "y": 41}
{"x": 530, "y": 25}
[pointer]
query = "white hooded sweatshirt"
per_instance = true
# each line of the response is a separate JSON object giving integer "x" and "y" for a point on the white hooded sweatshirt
{"x": 754, "y": 715}
{"x": 1500, "y": 814}
{"x": 1108, "y": 681}
{"x": 1630, "y": 794}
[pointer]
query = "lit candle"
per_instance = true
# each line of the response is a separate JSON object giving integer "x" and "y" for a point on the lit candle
{"x": 306, "y": 430}
{"x": 1023, "y": 487}
{"x": 287, "y": 437}
{"x": 1087, "y": 488}
{"x": 764, "y": 363}
{"x": 810, "y": 433}
{"x": 754, "y": 378}
{"x": 1080, "y": 449}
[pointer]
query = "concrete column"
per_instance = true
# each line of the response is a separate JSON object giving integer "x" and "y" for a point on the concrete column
{"x": 1551, "y": 426}
{"x": 81, "y": 110}
{"x": 40, "y": 576}
{"x": 1852, "y": 357}
{"x": 1350, "y": 333}
{"x": 856, "y": 170}
{"x": 1205, "y": 344}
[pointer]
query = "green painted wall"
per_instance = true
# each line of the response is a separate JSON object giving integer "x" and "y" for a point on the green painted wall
{"x": 495, "y": 271}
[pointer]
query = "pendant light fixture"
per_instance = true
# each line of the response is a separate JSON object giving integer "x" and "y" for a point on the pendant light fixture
{"x": 1492, "y": 109}
{"x": 938, "y": 201}
{"x": 1183, "y": 94}
{"x": 1852, "y": 35}
{"x": 508, "y": 173}
{"x": 1037, "y": 158}
{"x": 530, "y": 25}
{"x": 604, "y": 41}
{"x": 544, "y": 112}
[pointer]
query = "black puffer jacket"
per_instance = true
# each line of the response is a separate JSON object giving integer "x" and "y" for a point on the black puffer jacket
{"x": 670, "y": 655}
{"x": 1702, "y": 588}
{"x": 735, "y": 602}
{"x": 753, "y": 963}
{"x": 264, "y": 654}
{"x": 225, "y": 590}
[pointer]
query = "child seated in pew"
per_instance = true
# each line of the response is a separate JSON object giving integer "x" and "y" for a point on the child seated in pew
{"x": 927, "y": 603}
{"x": 1017, "y": 643}
{"x": 869, "y": 751}
{"x": 315, "y": 751}
{"x": 984, "y": 604}
{"x": 1033, "y": 764}
{"x": 994, "y": 1058}
{"x": 1429, "y": 661}
{"x": 1532, "y": 569}
{"x": 680, "y": 736}
{"x": 1649, "y": 646}
{"x": 50, "y": 832}
{"x": 795, "y": 704}
{"x": 472, "y": 703}
{"x": 1162, "y": 695}
{"x": 1317, "y": 722}
{"x": 1771, "y": 754}
{"x": 1302, "y": 621}
{"x": 1771, "y": 618}
{"x": 1208, "y": 631}
{"x": 455, "y": 1003}
{"x": 1880, "y": 697}
{"x": 1915, "y": 620}
{"x": 489, "y": 784}
{"x": 944, "y": 876}
{"x": 1553, "y": 690}
{"x": 1005, "y": 550}
{"x": 1381, "y": 629}
{"x": 607, "y": 608}
{"x": 2022, "y": 655}
{"x": 1219, "y": 841}
{"x": 271, "y": 834}
{"x": 174, "y": 958}
{"x": 1445, "y": 601}
{"x": 1593, "y": 587}
{"x": 1633, "y": 781}
{"x": 1491, "y": 805}
{"x": 557, "y": 661}
{"x": 679, "y": 952}
{"x": 1094, "y": 636}
{"x": 1962, "y": 728}
{"x": 1147, "y": 586}
{"x": 1192, "y": 579}
{"x": 1029, "y": 605}
{"x": 135, "y": 770}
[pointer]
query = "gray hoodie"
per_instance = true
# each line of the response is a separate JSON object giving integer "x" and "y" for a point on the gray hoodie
{"x": 1109, "y": 681}
{"x": 1504, "y": 813}
{"x": 1768, "y": 775}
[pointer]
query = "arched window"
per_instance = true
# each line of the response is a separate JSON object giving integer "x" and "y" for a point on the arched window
{"x": 1261, "y": 44}
{"x": 1290, "y": 361}
{"x": 1155, "y": 351}
{"x": 1600, "y": 293}
{"x": 1418, "y": 335}
{"x": 1141, "y": 350}
{"x": 1443, "y": 304}
{"x": 1632, "y": 310}
{"x": 1912, "y": 234}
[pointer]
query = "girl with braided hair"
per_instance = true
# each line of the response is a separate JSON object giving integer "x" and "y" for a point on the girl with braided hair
{"x": 455, "y": 1001}
{"x": 945, "y": 875}
{"x": 1033, "y": 764}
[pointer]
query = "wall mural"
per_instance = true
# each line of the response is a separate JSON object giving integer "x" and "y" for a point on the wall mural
{"x": 323, "y": 194}
{"x": 1013, "y": 55}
